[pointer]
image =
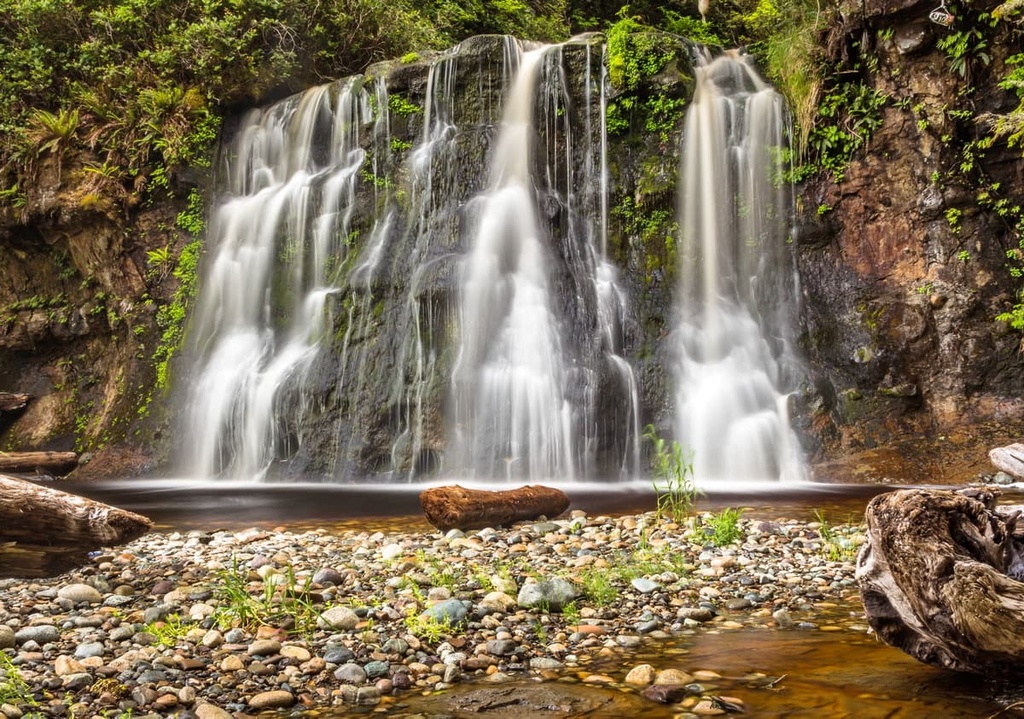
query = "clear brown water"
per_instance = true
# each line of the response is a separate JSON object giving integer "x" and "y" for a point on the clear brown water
{"x": 824, "y": 675}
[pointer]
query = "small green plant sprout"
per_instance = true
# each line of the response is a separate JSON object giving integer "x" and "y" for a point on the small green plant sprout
{"x": 953, "y": 217}
{"x": 283, "y": 601}
{"x": 426, "y": 627}
{"x": 168, "y": 632}
{"x": 723, "y": 528}
{"x": 673, "y": 483}
{"x": 963, "y": 256}
{"x": 14, "y": 689}
{"x": 834, "y": 546}
{"x": 159, "y": 261}
{"x": 599, "y": 586}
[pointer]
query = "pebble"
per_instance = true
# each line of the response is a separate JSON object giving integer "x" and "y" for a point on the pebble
{"x": 148, "y": 627}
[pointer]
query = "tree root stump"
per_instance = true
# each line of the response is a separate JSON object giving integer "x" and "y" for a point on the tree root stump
{"x": 940, "y": 578}
{"x": 455, "y": 507}
{"x": 44, "y": 531}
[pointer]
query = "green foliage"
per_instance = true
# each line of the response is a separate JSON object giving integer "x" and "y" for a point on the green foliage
{"x": 636, "y": 52}
{"x": 691, "y": 27}
{"x": 143, "y": 83}
{"x": 281, "y": 599}
{"x": 401, "y": 105}
{"x": 454, "y": 20}
{"x": 724, "y": 526}
{"x": 424, "y": 626}
{"x": 168, "y": 632}
{"x": 847, "y": 117}
{"x": 834, "y": 546}
{"x": 13, "y": 687}
{"x": 673, "y": 482}
{"x": 794, "y": 62}
{"x": 171, "y": 318}
{"x": 599, "y": 586}
{"x": 965, "y": 46}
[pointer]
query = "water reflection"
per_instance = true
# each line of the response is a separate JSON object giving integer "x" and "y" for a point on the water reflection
{"x": 183, "y": 504}
{"x": 778, "y": 674}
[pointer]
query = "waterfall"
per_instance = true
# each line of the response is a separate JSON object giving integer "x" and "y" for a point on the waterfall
{"x": 738, "y": 284}
{"x": 407, "y": 275}
{"x": 260, "y": 318}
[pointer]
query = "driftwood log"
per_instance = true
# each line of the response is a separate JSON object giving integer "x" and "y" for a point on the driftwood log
{"x": 11, "y": 402}
{"x": 455, "y": 507}
{"x": 44, "y": 531}
{"x": 939, "y": 576}
{"x": 51, "y": 462}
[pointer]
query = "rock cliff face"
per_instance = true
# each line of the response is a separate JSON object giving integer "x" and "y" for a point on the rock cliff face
{"x": 79, "y": 297}
{"x": 904, "y": 260}
{"x": 903, "y": 269}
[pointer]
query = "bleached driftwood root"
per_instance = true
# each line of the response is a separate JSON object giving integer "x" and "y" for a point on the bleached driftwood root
{"x": 939, "y": 576}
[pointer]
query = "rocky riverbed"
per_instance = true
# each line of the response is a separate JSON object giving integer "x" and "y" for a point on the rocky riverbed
{"x": 324, "y": 623}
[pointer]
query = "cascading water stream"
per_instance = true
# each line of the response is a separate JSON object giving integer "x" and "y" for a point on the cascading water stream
{"x": 738, "y": 281}
{"x": 511, "y": 415}
{"x": 261, "y": 315}
{"x": 411, "y": 278}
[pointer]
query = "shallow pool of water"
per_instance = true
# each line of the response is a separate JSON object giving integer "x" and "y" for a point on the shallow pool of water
{"x": 783, "y": 674}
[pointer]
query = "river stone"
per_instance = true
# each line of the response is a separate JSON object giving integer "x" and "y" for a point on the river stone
{"x": 64, "y": 665}
{"x": 451, "y": 611}
{"x": 7, "y": 640}
{"x": 548, "y": 594}
{"x": 293, "y": 651}
{"x": 498, "y": 602}
{"x": 327, "y": 575}
{"x": 205, "y": 710}
{"x": 697, "y": 614}
{"x": 89, "y": 649}
{"x": 40, "y": 634}
{"x": 672, "y": 676}
{"x": 641, "y": 675}
{"x": 501, "y": 647}
{"x": 367, "y": 696}
{"x": 80, "y": 593}
{"x": 350, "y": 673}
{"x": 338, "y": 618}
{"x": 338, "y": 655}
{"x": 666, "y": 693}
{"x": 1009, "y": 459}
{"x": 644, "y": 585}
{"x": 264, "y": 647}
{"x": 277, "y": 699}
{"x": 76, "y": 681}
{"x": 375, "y": 670}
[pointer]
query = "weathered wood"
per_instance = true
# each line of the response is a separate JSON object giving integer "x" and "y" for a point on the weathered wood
{"x": 1009, "y": 459}
{"x": 939, "y": 578}
{"x": 10, "y": 402}
{"x": 455, "y": 507}
{"x": 44, "y": 531}
{"x": 53, "y": 462}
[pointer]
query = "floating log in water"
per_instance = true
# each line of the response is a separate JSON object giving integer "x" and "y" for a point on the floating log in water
{"x": 44, "y": 531}
{"x": 1009, "y": 459}
{"x": 455, "y": 507}
{"x": 10, "y": 402}
{"x": 939, "y": 578}
{"x": 52, "y": 462}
